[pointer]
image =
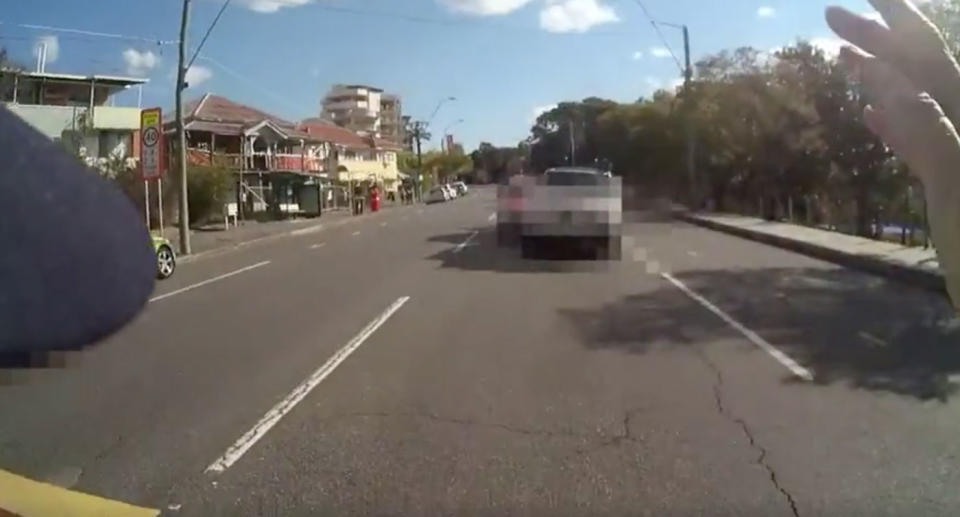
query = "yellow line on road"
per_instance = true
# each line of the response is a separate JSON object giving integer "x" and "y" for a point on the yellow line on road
{"x": 28, "y": 498}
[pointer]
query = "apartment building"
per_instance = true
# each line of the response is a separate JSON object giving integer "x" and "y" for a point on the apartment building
{"x": 391, "y": 118}
{"x": 76, "y": 109}
{"x": 366, "y": 110}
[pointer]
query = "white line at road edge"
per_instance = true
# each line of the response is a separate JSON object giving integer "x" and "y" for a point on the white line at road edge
{"x": 464, "y": 244}
{"x": 752, "y": 336}
{"x": 306, "y": 231}
{"x": 237, "y": 450}
{"x": 317, "y": 245}
{"x": 209, "y": 281}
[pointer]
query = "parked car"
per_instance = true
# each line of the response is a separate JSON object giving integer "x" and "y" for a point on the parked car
{"x": 461, "y": 188}
{"x": 451, "y": 191}
{"x": 437, "y": 194}
{"x": 166, "y": 257}
{"x": 573, "y": 209}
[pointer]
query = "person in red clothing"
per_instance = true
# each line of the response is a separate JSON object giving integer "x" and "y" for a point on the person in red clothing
{"x": 374, "y": 198}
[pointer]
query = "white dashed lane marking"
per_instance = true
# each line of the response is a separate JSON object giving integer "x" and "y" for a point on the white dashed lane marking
{"x": 208, "y": 281}
{"x": 241, "y": 446}
{"x": 752, "y": 336}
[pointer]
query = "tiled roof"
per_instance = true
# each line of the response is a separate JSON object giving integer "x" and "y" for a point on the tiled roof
{"x": 220, "y": 128}
{"x": 329, "y": 132}
{"x": 215, "y": 108}
{"x": 223, "y": 116}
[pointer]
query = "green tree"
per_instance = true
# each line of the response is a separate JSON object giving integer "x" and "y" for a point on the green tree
{"x": 945, "y": 14}
{"x": 209, "y": 188}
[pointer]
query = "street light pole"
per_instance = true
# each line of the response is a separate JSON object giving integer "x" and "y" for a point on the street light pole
{"x": 182, "y": 134}
{"x": 418, "y": 129}
{"x": 439, "y": 104}
{"x": 689, "y": 125}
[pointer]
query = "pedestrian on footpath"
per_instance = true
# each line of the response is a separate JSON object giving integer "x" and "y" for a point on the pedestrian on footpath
{"x": 913, "y": 84}
{"x": 357, "y": 199}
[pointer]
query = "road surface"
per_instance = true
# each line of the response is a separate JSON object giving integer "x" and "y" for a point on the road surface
{"x": 402, "y": 364}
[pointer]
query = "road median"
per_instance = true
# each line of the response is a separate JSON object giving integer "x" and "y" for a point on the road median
{"x": 916, "y": 266}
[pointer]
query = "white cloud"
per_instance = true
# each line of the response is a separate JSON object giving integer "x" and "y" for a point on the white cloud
{"x": 575, "y": 15}
{"x": 140, "y": 63}
{"x": 540, "y": 110}
{"x": 53, "y": 47}
{"x": 830, "y": 45}
{"x": 638, "y": 55}
{"x": 197, "y": 74}
{"x": 660, "y": 52}
{"x": 271, "y": 6}
{"x": 766, "y": 12}
{"x": 675, "y": 83}
{"x": 485, "y": 7}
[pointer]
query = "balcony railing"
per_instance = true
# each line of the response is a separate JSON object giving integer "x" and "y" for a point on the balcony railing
{"x": 215, "y": 159}
{"x": 259, "y": 161}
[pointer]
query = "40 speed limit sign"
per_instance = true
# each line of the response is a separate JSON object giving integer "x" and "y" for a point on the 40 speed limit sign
{"x": 151, "y": 144}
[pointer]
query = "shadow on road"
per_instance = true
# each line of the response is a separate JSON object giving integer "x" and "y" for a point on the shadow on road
{"x": 845, "y": 327}
{"x": 483, "y": 253}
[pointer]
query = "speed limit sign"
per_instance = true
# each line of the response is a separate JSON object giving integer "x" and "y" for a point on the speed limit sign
{"x": 151, "y": 144}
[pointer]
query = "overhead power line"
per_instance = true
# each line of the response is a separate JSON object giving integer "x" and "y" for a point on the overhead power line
{"x": 213, "y": 24}
{"x": 90, "y": 33}
{"x": 663, "y": 39}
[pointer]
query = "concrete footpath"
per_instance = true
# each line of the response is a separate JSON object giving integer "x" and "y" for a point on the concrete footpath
{"x": 911, "y": 264}
{"x": 215, "y": 237}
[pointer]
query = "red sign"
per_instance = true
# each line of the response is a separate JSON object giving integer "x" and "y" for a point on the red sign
{"x": 151, "y": 144}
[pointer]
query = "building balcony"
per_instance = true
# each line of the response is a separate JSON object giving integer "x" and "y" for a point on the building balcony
{"x": 120, "y": 118}
{"x": 53, "y": 121}
{"x": 258, "y": 161}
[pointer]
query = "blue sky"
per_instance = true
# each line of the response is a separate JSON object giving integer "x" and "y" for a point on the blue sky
{"x": 502, "y": 59}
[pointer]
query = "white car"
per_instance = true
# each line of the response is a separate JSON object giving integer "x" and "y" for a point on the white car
{"x": 437, "y": 194}
{"x": 450, "y": 190}
{"x": 461, "y": 188}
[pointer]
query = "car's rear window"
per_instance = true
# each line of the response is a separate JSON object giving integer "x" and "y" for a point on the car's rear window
{"x": 571, "y": 179}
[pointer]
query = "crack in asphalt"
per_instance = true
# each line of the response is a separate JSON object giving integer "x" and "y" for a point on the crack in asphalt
{"x": 600, "y": 440}
{"x": 761, "y": 460}
{"x": 467, "y": 423}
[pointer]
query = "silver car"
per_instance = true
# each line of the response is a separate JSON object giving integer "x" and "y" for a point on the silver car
{"x": 572, "y": 209}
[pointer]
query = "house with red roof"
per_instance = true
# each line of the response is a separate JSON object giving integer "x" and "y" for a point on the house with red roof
{"x": 281, "y": 165}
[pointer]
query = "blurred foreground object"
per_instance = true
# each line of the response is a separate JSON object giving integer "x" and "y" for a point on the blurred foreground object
{"x": 913, "y": 85}
{"x": 76, "y": 262}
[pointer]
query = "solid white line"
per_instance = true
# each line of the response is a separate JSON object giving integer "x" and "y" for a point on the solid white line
{"x": 752, "y": 336}
{"x": 464, "y": 244}
{"x": 492, "y": 217}
{"x": 355, "y": 234}
{"x": 209, "y": 281}
{"x": 317, "y": 245}
{"x": 241, "y": 446}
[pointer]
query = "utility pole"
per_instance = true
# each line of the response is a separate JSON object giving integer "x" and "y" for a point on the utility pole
{"x": 417, "y": 134}
{"x": 573, "y": 146}
{"x": 182, "y": 134}
{"x": 691, "y": 134}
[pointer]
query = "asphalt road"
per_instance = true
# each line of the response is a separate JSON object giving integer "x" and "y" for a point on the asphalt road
{"x": 462, "y": 379}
